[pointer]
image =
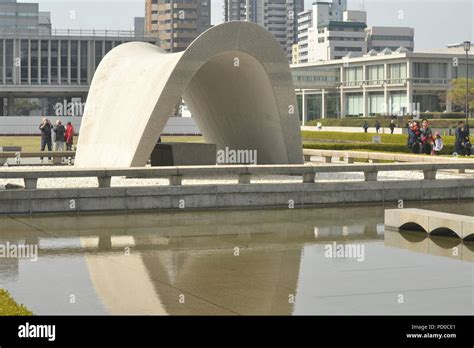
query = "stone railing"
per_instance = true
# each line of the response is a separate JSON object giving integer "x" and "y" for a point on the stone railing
{"x": 244, "y": 173}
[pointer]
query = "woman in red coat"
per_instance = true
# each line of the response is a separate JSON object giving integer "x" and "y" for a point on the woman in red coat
{"x": 69, "y": 136}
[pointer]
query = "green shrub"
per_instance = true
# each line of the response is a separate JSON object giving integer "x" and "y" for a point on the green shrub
{"x": 398, "y": 139}
{"x": 9, "y": 307}
{"x": 447, "y": 121}
{"x": 397, "y": 148}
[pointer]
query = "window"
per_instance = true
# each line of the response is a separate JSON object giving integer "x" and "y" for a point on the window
{"x": 24, "y": 61}
{"x": 74, "y": 61}
{"x": 9, "y": 62}
{"x": 1, "y": 64}
{"x": 398, "y": 72}
{"x": 44, "y": 61}
{"x": 64, "y": 62}
{"x": 98, "y": 52}
{"x": 376, "y": 104}
{"x": 353, "y": 76}
{"x": 54, "y": 62}
{"x": 34, "y": 61}
{"x": 375, "y": 74}
{"x": 83, "y": 62}
{"x": 354, "y": 104}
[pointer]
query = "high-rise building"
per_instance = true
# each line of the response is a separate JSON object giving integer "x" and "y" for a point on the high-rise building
{"x": 329, "y": 31}
{"x": 277, "y": 16}
{"x": 23, "y": 18}
{"x": 176, "y": 22}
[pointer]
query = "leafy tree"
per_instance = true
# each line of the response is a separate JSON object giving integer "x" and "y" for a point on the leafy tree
{"x": 23, "y": 107}
{"x": 457, "y": 94}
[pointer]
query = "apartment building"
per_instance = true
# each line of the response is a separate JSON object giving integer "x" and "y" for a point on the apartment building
{"x": 279, "y": 17}
{"x": 24, "y": 17}
{"x": 177, "y": 23}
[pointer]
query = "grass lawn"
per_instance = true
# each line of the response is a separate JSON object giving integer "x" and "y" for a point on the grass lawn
{"x": 33, "y": 143}
{"x": 8, "y": 306}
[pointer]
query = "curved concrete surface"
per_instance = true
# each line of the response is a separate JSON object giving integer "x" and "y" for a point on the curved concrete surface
{"x": 234, "y": 77}
{"x": 431, "y": 221}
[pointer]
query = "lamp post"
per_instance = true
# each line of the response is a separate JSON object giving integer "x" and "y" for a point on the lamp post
{"x": 467, "y": 48}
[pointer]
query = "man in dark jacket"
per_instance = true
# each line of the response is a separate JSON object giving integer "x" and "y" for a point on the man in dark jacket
{"x": 46, "y": 140}
{"x": 60, "y": 132}
{"x": 463, "y": 146}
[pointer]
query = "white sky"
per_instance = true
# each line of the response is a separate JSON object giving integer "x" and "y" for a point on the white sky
{"x": 436, "y": 22}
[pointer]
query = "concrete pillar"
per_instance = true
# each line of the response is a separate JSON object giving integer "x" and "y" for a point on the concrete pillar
{"x": 304, "y": 117}
{"x": 385, "y": 92}
{"x": 11, "y": 106}
{"x": 365, "y": 99}
{"x": 323, "y": 105}
{"x": 409, "y": 88}
{"x": 342, "y": 98}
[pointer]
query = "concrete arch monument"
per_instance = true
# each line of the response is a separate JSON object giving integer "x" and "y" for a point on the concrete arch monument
{"x": 234, "y": 77}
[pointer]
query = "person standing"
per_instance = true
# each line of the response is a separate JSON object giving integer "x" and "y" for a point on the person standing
{"x": 463, "y": 146}
{"x": 365, "y": 126}
{"x": 392, "y": 126}
{"x": 60, "y": 133}
{"x": 414, "y": 137}
{"x": 46, "y": 136}
{"x": 377, "y": 126}
{"x": 69, "y": 137}
{"x": 426, "y": 138}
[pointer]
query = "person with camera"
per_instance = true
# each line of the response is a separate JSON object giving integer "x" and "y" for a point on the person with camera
{"x": 463, "y": 144}
{"x": 46, "y": 137}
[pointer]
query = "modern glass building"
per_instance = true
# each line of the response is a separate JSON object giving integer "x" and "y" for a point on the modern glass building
{"x": 51, "y": 68}
{"x": 386, "y": 83}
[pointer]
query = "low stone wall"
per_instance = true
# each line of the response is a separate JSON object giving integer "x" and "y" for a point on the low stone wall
{"x": 285, "y": 195}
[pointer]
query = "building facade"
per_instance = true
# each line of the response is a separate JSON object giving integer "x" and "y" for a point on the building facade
{"x": 380, "y": 38}
{"x": 177, "y": 22}
{"x": 330, "y": 31}
{"x": 24, "y": 17}
{"x": 279, "y": 17}
{"x": 398, "y": 83}
{"x": 43, "y": 70}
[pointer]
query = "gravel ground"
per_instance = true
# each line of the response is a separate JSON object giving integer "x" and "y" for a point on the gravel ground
{"x": 323, "y": 177}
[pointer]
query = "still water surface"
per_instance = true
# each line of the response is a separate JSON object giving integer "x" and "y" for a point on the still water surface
{"x": 237, "y": 262}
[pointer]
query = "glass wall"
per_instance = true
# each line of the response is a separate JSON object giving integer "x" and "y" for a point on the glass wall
{"x": 9, "y": 62}
{"x": 1, "y": 64}
{"x": 333, "y": 105}
{"x": 353, "y": 76}
{"x": 314, "y": 103}
{"x": 64, "y": 62}
{"x": 34, "y": 61}
{"x": 398, "y": 103}
{"x": 375, "y": 74}
{"x": 84, "y": 62}
{"x": 430, "y": 72}
{"x": 376, "y": 104}
{"x": 398, "y": 72}
{"x": 98, "y": 52}
{"x": 74, "y": 61}
{"x": 44, "y": 61}
{"x": 428, "y": 101}
{"x": 354, "y": 104}
{"x": 54, "y": 62}
{"x": 24, "y": 61}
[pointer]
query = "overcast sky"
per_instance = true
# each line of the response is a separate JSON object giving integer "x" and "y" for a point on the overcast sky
{"x": 436, "y": 22}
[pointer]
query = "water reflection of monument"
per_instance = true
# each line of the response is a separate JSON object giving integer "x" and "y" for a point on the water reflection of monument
{"x": 190, "y": 254}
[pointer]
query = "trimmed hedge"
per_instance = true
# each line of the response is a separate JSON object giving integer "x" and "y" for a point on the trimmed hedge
{"x": 397, "y": 148}
{"x": 385, "y": 121}
{"x": 9, "y": 307}
{"x": 398, "y": 139}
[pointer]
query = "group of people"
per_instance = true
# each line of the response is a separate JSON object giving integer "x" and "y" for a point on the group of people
{"x": 62, "y": 135}
{"x": 378, "y": 126}
{"x": 421, "y": 139}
